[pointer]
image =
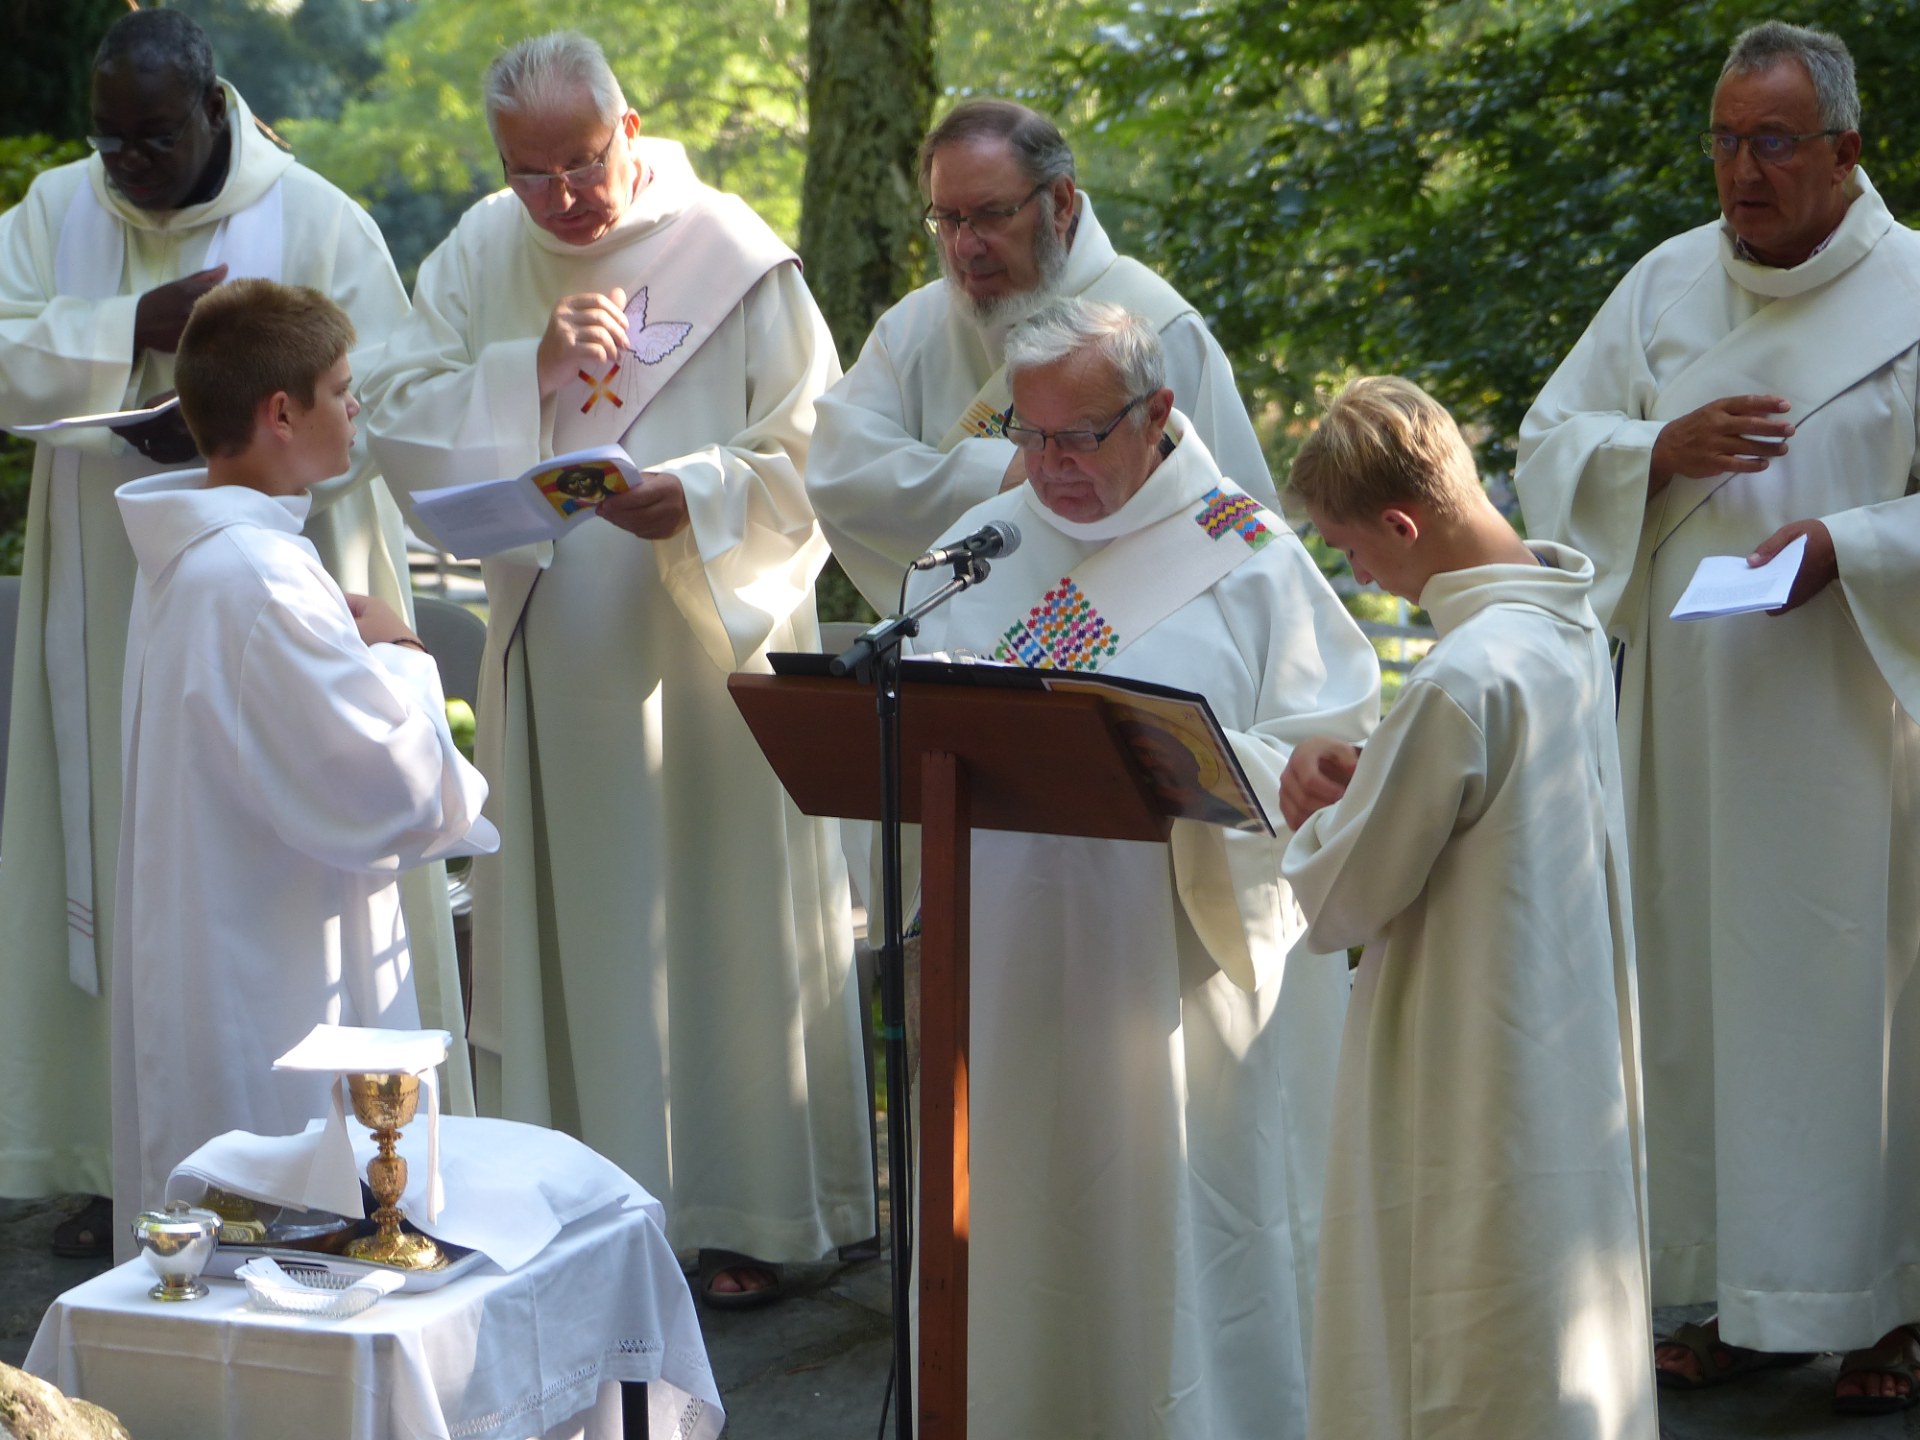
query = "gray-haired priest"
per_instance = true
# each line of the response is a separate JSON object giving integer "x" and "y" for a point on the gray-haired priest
{"x": 1152, "y": 1072}
{"x": 663, "y": 947}
{"x": 1752, "y": 384}
{"x": 911, "y": 437}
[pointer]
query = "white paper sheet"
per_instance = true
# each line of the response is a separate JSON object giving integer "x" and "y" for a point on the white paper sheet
{"x": 1727, "y": 585}
{"x": 110, "y": 419}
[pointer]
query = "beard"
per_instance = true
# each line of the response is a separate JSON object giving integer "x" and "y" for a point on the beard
{"x": 1006, "y": 311}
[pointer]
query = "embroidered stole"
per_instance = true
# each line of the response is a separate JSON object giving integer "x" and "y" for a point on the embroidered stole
{"x": 683, "y": 284}
{"x": 1130, "y": 585}
{"x": 1126, "y": 283}
{"x": 91, "y": 263}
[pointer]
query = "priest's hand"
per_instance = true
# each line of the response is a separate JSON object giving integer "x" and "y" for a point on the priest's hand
{"x": 1317, "y": 774}
{"x": 164, "y": 439}
{"x": 161, "y": 313}
{"x": 585, "y": 332}
{"x": 1819, "y": 567}
{"x": 379, "y": 623}
{"x": 1016, "y": 475}
{"x": 1733, "y": 435}
{"x": 655, "y": 509}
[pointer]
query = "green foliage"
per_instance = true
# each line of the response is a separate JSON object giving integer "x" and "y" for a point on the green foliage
{"x": 21, "y": 158}
{"x": 1448, "y": 192}
{"x": 725, "y": 78}
{"x": 46, "y": 62}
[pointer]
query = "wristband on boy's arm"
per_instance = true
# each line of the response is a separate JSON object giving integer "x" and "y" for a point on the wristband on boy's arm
{"x": 410, "y": 642}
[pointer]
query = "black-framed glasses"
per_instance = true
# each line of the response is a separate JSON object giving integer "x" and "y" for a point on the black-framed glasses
{"x": 155, "y": 145}
{"x": 988, "y": 220}
{"x": 1768, "y": 149}
{"x": 1073, "y": 442}
{"x": 534, "y": 184}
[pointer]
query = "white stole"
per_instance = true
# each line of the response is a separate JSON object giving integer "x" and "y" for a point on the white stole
{"x": 1126, "y": 283}
{"x": 91, "y": 263}
{"x": 1121, "y": 591}
{"x": 1808, "y": 348}
{"x": 684, "y": 284}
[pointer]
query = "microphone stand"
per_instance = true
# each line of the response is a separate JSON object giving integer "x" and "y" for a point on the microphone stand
{"x": 875, "y": 659}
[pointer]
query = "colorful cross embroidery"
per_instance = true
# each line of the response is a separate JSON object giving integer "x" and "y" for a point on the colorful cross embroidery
{"x": 1062, "y": 632}
{"x": 1220, "y": 512}
{"x": 601, "y": 389}
{"x": 983, "y": 422}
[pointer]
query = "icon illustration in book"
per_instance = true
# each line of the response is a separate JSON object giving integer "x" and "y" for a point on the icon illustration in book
{"x": 569, "y": 488}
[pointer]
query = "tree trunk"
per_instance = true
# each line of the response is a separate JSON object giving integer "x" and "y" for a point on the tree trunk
{"x": 869, "y": 101}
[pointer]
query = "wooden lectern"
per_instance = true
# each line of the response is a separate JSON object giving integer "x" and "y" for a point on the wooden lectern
{"x": 1030, "y": 760}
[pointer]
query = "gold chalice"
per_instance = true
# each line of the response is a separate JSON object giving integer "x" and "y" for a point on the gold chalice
{"x": 383, "y": 1103}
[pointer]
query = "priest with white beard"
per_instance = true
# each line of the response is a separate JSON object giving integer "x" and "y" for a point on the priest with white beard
{"x": 1750, "y": 383}
{"x": 911, "y": 437}
{"x": 99, "y": 265}
{"x": 663, "y": 946}
{"x": 1151, "y": 1070}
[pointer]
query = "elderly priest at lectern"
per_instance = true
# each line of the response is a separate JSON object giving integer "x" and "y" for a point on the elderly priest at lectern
{"x": 1150, "y": 1068}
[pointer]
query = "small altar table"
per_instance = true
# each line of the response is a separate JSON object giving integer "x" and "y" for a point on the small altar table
{"x": 491, "y": 1356}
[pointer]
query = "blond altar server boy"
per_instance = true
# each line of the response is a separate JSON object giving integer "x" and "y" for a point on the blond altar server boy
{"x": 287, "y": 755}
{"x": 1483, "y": 1262}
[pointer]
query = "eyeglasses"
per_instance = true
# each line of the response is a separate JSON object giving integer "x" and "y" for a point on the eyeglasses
{"x": 1767, "y": 149}
{"x": 155, "y": 145}
{"x": 1073, "y": 442}
{"x": 537, "y": 184}
{"x": 987, "y": 221}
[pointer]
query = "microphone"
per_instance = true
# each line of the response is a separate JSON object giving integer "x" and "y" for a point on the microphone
{"x": 990, "y": 541}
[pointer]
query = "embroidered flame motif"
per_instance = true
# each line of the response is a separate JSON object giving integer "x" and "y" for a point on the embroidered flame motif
{"x": 601, "y": 389}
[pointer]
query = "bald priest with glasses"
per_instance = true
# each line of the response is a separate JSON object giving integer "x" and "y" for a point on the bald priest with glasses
{"x": 911, "y": 438}
{"x": 663, "y": 946}
{"x": 1751, "y": 385}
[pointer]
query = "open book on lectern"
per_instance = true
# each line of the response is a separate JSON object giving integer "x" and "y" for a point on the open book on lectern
{"x": 1172, "y": 734}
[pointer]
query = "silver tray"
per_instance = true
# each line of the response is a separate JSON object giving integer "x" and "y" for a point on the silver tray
{"x": 298, "y": 1260}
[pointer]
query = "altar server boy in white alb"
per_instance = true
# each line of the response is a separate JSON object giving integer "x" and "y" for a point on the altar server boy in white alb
{"x": 1483, "y": 1263}
{"x": 286, "y": 749}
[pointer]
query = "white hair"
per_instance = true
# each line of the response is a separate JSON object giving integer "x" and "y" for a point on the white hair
{"x": 1825, "y": 57}
{"x": 550, "y": 75}
{"x": 1067, "y": 326}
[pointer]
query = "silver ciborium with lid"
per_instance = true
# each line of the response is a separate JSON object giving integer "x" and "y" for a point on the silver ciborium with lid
{"x": 178, "y": 1242}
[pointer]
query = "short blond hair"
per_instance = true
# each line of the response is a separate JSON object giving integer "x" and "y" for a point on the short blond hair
{"x": 1384, "y": 442}
{"x": 245, "y": 341}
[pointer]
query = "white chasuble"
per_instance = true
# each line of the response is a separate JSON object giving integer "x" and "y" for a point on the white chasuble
{"x": 663, "y": 946}
{"x": 280, "y": 773}
{"x": 1151, "y": 1068}
{"x": 1772, "y": 765}
{"x": 1483, "y": 1264}
{"x": 909, "y": 439}
{"x": 69, "y": 351}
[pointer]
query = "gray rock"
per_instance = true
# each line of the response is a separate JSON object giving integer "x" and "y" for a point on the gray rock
{"x": 31, "y": 1409}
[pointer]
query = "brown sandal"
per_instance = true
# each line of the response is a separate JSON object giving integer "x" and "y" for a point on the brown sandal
{"x": 1893, "y": 1356}
{"x": 1702, "y": 1341}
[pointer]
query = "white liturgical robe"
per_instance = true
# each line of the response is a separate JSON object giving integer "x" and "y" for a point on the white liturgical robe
{"x": 280, "y": 773}
{"x": 74, "y": 259}
{"x": 884, "y": 474}
{"x": 1771, "y": 764}
{"x": 1483, "y": 1265}
{"x": 663, "y": 947}
{"x": 1148, "y": 1135}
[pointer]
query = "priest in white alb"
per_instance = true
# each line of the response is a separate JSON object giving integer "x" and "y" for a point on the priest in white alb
{"x": 1152, "y": 1056}
{"x": 910, "y": 437}
{"x": 99, "y": 265}
{"x": 663, "y": 946}
{"x": 1749, "y": 383}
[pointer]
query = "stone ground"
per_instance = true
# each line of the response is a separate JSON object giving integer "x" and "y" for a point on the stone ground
{"x": 815, "y": 1367}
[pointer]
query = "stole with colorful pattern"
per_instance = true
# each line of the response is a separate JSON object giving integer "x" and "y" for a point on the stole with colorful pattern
{"x": 1132, "y": 584}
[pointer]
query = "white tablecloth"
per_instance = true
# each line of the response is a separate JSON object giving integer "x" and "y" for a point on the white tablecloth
{"x": 492, "y": 1356}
